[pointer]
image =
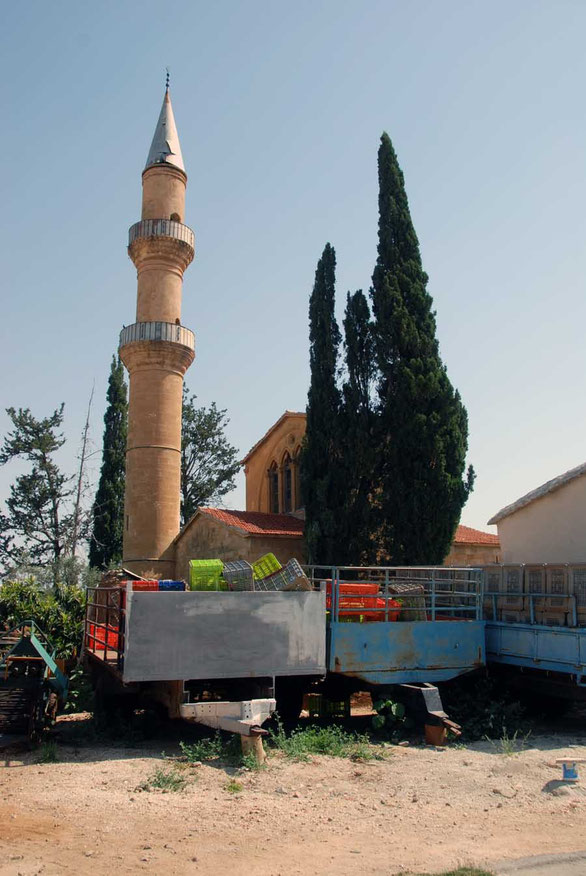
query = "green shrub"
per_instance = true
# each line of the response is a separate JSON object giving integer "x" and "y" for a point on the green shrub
{"x": 234, "y": 787}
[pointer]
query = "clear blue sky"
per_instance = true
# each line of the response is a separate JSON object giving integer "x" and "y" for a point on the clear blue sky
{"x": 279, "y": 108}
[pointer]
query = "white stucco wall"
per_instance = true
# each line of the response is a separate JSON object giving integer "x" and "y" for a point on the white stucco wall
{"x": 551, "y": 529}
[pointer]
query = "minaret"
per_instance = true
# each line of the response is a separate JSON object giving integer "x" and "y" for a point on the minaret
{"x": 157, "y": 351}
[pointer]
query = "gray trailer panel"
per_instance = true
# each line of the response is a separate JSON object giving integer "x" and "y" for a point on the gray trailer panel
{"x": 201, "y": 635}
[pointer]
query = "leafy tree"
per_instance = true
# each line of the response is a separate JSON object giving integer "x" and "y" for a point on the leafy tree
{"x": 423, "y": 428}
{"x": 38, "y": 524}
{"x": 209, "y": 462}
{"x": 108, "y": 510}
{"x": 320, "y": 458}
{"x": 356, "y": 434}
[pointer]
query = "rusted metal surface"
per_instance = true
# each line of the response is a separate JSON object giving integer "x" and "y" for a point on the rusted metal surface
{"x": 394, "y": 653}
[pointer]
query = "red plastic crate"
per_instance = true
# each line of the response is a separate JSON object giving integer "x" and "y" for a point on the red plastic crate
{"x": 355, "y": 587}
{"x": 99, "y": 638}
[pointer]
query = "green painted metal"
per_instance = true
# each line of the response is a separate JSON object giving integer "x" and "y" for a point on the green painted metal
{"x": 39, "y": 641}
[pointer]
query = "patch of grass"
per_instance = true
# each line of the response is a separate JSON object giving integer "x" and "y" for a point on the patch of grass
{"x": 234, "y": 787}
{"x": 331, "y": 740}
{"x": 163, "y": 780}
{"x": 510, "y": 744}
{"x": 48, "y": 753}
{"x": 204, "y": 749}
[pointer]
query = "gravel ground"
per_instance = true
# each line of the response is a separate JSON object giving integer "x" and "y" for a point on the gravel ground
{"x": 421, "y": 809}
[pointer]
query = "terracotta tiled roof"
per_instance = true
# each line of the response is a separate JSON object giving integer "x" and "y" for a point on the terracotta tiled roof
{"x": 257, "y": 523}
{"x": 467, "y": 535}
{"x": 272, "y": 429}
{"x": 543, "y": 490}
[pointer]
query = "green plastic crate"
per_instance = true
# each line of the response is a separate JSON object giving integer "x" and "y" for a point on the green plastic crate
{"x": 206, "y": 575}
{"x": 265, "y": 566}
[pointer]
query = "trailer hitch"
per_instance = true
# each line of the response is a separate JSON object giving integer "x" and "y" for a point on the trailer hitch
{"x": 425, "y": 704}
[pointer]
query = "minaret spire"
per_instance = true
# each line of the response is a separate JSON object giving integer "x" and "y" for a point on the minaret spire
{"x": 165, "y": 148}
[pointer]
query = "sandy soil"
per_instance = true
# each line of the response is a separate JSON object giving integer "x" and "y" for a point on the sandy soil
{"x": 421, "y": 809}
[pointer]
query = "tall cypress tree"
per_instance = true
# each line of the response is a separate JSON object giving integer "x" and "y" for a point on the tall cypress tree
{"x": 320, "y": 470}
{"x": 423, "y": 426}
{"x": 357, "y": 434}
{"x": 108, "y": 510}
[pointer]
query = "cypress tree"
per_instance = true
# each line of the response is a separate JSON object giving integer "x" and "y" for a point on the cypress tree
{"x": 108, "y": 510}
{"x": 356, "y": 433}
{"x": 320, "y": 458}
{"x": 423, "y": 427}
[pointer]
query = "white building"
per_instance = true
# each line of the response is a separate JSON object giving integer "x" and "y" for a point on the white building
{"x": 548, "y": 525}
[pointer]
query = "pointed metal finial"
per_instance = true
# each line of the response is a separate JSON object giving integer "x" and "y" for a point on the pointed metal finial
{"x": 167, "y": 80}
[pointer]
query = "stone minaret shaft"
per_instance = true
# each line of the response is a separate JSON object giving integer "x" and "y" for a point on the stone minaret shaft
{"x": 157, "y": 351}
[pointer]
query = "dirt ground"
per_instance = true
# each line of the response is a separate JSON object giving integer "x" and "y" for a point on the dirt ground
{"x": 420, "y": 809}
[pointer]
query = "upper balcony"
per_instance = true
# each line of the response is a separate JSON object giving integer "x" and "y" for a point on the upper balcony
{"x": 157, "y": 331}
{"x": 154, "y": 238}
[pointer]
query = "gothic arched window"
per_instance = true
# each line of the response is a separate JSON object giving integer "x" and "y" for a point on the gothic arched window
{"x": 274, "y": 488}
{"x": 297, "y": 480}
{"x": 287, "y": 484}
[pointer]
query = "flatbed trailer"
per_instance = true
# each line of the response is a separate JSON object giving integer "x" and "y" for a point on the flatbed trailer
{"x": 190, "y": 650}
{"x": 550, "y": 660}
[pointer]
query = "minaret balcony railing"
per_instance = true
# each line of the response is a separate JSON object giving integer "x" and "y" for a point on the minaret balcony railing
{"x": 161, "y": 228}
{"x": 157, "y": 331}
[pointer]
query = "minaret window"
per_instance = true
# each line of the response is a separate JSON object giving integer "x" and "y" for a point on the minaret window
{"x": 175, "y": 217}
{"x": 274, "y": 488}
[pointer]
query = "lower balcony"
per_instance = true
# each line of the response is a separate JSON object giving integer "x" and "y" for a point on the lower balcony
{"x": 157, "y": 331}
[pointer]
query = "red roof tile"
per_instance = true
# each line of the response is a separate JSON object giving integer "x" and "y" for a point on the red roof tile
{"x": 467, "y": 535}
{"x": 257, "y": 523}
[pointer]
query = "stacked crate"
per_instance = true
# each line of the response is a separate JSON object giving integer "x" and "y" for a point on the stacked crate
{"x": 535, "y": 583}
{"x": 557, "y": 602}
{"x": 578, "y": 589}
{"x": 511, "y": 603}
{"x": 493, "y": 579}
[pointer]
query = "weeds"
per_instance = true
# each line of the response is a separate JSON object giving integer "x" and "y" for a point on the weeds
{"x": 80, "y": 696}
{"x": 163, "y": 780}
{"x": 204, "y": 749}
{"x": 483, "y": 708}
{"x": 331, "y": 740}
{"x": 48, "y": 753}
{"x": 249, "y": 762}
{"x": 510, "y": 745}
{"x": 234, "y": 787}
{"x": 391, "y": 720}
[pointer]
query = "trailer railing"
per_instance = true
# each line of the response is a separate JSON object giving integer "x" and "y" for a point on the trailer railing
{"x": 399, "y": 593}
{"x": 105, "y": 620}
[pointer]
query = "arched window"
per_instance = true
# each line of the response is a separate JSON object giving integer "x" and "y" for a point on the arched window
{"x": 175, "y": 217}
{"x": 298, "y": 497}
{"x": 287, "y": 468}
{"x": 274, "y": 488}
